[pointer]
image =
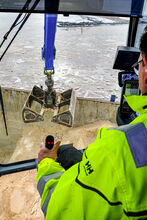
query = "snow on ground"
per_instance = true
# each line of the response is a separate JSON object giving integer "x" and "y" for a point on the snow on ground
{"x": 82, "y": 20}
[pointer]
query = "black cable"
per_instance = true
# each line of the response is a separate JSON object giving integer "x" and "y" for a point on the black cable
{"x": 28, "y": 15}
{"x": 21, "y": 20}
{"x": 3, "y": 111}
{"x": 15, "y": 22}
{"x": 13, "y": 26}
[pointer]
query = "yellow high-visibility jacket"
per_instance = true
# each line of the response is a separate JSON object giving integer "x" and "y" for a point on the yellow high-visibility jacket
{"x": 110, "y": 183}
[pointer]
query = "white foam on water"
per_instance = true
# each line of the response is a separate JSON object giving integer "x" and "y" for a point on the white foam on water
{"x": 29, "y": 47}
{"x": 20, "y": 61}
{"x": 76, "y": 19}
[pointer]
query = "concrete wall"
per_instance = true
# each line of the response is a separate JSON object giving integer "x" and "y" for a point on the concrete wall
{"x": 90, "y": 110}
{"x": 13, "y": 103}
{"x": 87, "y": 111}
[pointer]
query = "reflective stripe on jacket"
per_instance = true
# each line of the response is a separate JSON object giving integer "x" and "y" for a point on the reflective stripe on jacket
{"x": 111, "y": 180}
{"x": 48, "y": 176}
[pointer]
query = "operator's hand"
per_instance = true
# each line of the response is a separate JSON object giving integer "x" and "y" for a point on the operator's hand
{"x": 44, "y": 152}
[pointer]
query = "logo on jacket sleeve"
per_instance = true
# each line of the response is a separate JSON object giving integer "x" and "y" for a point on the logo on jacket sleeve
{"x": 88, "y": 168}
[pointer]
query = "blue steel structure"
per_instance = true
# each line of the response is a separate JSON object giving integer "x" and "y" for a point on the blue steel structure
{"x": 137, "y": 7}
{"x": 48, "y": 53}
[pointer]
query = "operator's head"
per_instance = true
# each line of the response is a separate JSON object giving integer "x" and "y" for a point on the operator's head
{"x": 143, "y": 64}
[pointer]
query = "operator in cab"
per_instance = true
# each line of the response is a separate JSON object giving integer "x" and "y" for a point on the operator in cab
{"x": 110, "y": 182}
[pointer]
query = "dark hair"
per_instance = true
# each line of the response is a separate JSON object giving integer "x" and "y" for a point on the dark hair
{"x": 143, "y": 44}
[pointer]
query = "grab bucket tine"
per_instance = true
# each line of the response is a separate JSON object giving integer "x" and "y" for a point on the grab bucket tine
{"x": 65, "y": 111}
{"x": 33, "y": 108}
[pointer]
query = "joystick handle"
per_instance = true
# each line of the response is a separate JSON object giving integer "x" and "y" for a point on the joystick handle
{"x": 49, "y": 142}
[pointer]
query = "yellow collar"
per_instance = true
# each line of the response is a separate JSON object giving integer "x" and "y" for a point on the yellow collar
{"x": 137, "y": 103}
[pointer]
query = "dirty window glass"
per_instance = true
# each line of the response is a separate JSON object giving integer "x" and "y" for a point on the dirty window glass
{"x": 142, "y": 25}
{"x": 85, "y": 52}
{"x": 145, "y": 9}
{"x": 114, "y": 7}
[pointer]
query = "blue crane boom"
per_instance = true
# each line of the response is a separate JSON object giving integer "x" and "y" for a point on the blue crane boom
{"x": 48, "y": 99}
{"x": 50, "y": 21}
{"x": 48, "y": 54}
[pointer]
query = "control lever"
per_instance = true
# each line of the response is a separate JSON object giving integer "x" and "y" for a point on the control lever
{"x": 27, "y": 164}
{"x": 49, "y": 142}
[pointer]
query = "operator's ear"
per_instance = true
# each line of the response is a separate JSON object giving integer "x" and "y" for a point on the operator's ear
{"x": 145, "y": 76}
{"x": 145, "y": 61}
